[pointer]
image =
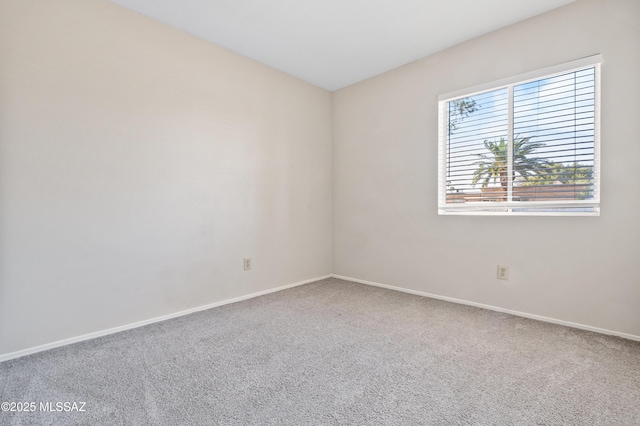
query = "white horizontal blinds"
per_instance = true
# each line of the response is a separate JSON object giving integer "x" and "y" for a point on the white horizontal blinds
{"x": 541, "y": 157}
{"x": 475, "y": 167}
{"x": 554, "y": 138}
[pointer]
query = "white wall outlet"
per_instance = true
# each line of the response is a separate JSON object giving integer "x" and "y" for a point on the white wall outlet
{"x": 503, "y": 272}
{"x": 247, "y": 263}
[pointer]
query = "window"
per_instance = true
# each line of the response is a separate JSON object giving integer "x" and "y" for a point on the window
{"x": 527, "y": 145}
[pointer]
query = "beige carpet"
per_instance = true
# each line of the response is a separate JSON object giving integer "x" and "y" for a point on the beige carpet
{"x": 335, "y": 352}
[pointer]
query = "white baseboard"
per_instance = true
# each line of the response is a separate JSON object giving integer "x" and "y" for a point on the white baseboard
{"x": 29, "y": 351}
{"x": 493, "y": 308}
{"x": 35, "y": 349}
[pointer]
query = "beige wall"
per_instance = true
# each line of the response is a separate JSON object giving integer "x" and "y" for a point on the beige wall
{"x": 385, "y": 224}
{"x": 139, "y": 165}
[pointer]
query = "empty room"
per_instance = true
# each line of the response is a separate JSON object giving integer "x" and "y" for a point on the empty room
{"x": 322, "y": 212}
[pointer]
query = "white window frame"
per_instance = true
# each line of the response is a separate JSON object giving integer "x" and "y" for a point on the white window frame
{"x": 476, "y": 208}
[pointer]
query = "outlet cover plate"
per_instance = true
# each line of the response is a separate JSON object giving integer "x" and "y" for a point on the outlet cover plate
{"x": 503, "y": 272}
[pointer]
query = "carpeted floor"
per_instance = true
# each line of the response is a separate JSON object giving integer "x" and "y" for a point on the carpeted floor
{"x": 334, "y": 352}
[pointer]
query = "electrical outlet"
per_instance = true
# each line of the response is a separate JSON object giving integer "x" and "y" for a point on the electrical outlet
{"x": 247, "y": 263}
{"x": 503, "y": 272}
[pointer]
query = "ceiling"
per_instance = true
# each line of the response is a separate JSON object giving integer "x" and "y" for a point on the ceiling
{"x": 335, "y": 43}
